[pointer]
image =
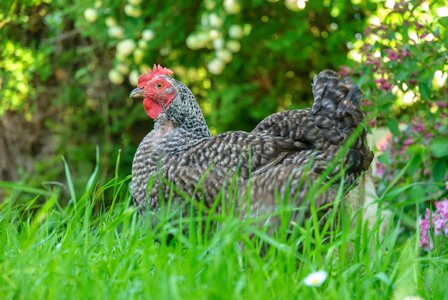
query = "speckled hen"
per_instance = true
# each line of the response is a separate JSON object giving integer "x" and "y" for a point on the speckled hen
{"x": 285, "y": 154}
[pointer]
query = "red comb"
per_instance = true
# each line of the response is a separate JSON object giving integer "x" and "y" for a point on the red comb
{"x": 156, "y": 70}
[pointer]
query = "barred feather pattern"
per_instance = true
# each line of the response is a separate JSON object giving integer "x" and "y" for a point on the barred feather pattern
{"x": 283, "y": 156}
{"x": 326, "y": 127}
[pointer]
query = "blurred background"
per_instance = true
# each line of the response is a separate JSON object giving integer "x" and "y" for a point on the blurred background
{"x": 67, "y": 68}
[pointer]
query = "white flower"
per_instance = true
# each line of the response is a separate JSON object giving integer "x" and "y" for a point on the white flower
{"x": 218, "y": 43}
{"x": 204, "y": 20}
{"x": 442, "y": 11}
{"x": 214, "y": 20}
{"x": 315, "y": 278}
{"x": 123, "y": 68}
{"x": 110, "y": 22}
{"x": 164, "y": 51}
{"x": 292, "y": 5}
{"x": 116, "y": 77}
{"x": 214, "y": 34}
{"x": 224, "y": 55}
{"x": 132, "y": 11}
{"x": 147, "y": 35}
{"x": 295, "y": 5}
{"x": 142, "y": 44}
{"x": 210, "y": 4}
{"x": 192, "y": 42}
{"x": 143, "y": 68}
{"x": 235, "y": 31}
{"x": 232, "y": 6}
{"x": 135, "y": 2}
{"x": 197, "y": 41}
{"x": 233, "y": 46}
{"x": 116, "y": 32}
{"x": 216, "y": 66}
{"x": 133, "y": 77}
{"x": 91, "y": 15}
{"x": 126, "y": 47}
{"x": 138, "y": 56}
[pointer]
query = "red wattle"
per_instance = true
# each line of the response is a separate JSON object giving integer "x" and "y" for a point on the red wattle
{"x": 152, "y": 108}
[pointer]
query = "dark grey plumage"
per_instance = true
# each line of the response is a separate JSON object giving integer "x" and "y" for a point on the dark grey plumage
{"x": 285, "y": 153}
{"x": 326, "y": 127}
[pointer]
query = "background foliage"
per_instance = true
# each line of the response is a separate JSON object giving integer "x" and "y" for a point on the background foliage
{"x": 68, "y": 70}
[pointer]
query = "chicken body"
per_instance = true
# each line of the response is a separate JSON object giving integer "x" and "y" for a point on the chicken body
{"x": 180, "y": 157}
{"x": 326, "y": 127}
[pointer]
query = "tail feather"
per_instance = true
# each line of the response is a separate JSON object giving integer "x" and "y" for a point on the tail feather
{"x": 332, "y": 94}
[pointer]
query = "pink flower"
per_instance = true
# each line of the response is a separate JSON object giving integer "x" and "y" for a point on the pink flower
{"x": 418, "y": 127}
{"x": 367, "y": 102}
{"x": 437, "y": 220}
{"x": 345, "y": 71}
{"x": 425, "y": 239}
{"x": 442, "y": 207}
{"x": 408, "y": 141}
{"x": 428, "y": 135}
{"x": 441, "y": 104}
{"x": 383, "y": 84}
{"x": 380, "y": 169}
{"x": 392, "y": 54}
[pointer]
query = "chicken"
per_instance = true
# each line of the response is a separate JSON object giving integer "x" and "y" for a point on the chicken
{"x": 179, "y": 156}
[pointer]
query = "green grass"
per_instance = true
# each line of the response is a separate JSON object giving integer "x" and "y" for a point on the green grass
{"x": 89, "y": 250}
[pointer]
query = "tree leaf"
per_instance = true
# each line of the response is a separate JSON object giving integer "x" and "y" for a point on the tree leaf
{"x": 439, "y": 170}
{"x": 425, "y": 90}
{"x": 439, "y": 147}
{"x": 393, "y": 127}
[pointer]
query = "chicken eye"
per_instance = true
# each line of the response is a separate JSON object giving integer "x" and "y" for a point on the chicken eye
{"x": 158, "y": 85}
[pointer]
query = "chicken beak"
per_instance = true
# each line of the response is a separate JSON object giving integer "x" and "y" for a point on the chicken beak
{"x": 137, "y": 93}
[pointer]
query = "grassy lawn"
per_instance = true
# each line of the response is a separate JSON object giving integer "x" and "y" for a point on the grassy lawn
{"x": 87, "y": 251}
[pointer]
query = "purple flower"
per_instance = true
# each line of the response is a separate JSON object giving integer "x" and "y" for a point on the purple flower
{"x": 437, "y": 220}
